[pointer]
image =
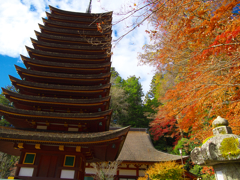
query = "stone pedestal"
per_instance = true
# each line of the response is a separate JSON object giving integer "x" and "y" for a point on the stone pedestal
{"x": 229, "y": 171}
{"x": 221, "y": 151}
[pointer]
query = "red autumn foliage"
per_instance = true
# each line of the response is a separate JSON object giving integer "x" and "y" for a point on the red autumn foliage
{"x": 165, "y": 128}
{"x": 198, "y": 43}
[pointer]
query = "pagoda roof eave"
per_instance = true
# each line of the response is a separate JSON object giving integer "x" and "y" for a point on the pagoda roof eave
{"x": 76, "y": 32}
{"x": 10, "y": 137}
{"x": 64, "y": 12}
{"x": 65, "y": 65}
{"x": 72, "y": 68}
{"x": 5, "y": 110}
{"x": 59, "y": 87}
{"x": 70, "y": 47}
{"x": 61, "y": 75}
{"x": 58, "y": 137}
{"x": 79, "y": 19}
{"x": 54, "y": 100}
{"x": 64, "y": 55}
{"x": 99, "y": 41}
{"x": 92, "y": 27}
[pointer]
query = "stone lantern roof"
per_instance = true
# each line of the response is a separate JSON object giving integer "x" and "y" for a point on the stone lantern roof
{"x": 222, "y": 147}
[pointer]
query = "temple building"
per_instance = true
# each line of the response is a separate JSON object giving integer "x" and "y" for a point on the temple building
{"x": 137, "y": 155}
{"x": 61, "y": 111}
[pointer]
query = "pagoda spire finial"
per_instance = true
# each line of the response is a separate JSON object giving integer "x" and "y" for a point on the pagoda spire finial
{"x": 89, "y": 7}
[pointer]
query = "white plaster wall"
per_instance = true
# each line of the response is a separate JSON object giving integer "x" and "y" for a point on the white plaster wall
{"x": 90, "y": 171}
{"x": 26, "y": 171}
{"x": 68, "y": 174}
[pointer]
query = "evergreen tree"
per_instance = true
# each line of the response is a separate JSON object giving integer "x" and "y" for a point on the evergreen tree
{"x": 127, "y": 101}
{"x": 7, "y": 161}
{"x": 118, "y": 101}
{"x": 6, "y": 102}
{"x": 151, "y": 102}
{"x": 134, "y": 92}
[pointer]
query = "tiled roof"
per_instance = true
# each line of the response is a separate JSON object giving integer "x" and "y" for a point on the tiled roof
{"x": 55, "y": 54}
{"x": 75, "y": 47}
{"x": 62, "y": 87}
{"x": 78, "y": 32}
{"x": 54, "y": 64}
{"x": 62, "y": 75}
{"x": 86, "y": 40}
{"x": 52, "y": 99}
{"x": 139, "y": 148}
{"x": 58, "y": 137}
{"x": 81, "y": 20}
{"x": 92, "y": 15}
{"x": 48, "y": 115}
{"x": 93, "y": 26}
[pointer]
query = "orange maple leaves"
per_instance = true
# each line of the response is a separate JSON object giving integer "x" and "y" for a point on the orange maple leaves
{"x": 99, "y": 27}
{"x": 199, "y": 44}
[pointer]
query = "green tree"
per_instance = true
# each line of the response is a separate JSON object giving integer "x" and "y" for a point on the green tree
{"x": 6, "y": 102}
{"x": 118, "y": 104}
{"x": 134, "y": 92}
{"x": 7, "y": 161}
{"x": 127, "y": 103}
{"x": 114, "y": 73}
{"x": 151, "y": 102}
{"x": 118, "y": 101}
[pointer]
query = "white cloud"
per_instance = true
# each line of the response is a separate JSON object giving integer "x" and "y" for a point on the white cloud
{"x": 19, "y": 19}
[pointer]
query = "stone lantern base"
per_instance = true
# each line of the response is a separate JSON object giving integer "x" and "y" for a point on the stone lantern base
{"x": 227, "y": 171}
{"x": 221, "y": 151}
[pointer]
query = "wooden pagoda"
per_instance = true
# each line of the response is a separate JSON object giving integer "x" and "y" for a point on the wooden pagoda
{"x": 61, "y": 112}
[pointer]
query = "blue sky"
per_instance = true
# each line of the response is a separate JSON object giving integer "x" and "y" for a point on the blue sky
{"x": 19, "y": 19}
{"x": 7, "y": 68}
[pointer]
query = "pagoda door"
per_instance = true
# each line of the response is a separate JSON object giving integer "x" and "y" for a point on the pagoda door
{"x": 47, "y": 166}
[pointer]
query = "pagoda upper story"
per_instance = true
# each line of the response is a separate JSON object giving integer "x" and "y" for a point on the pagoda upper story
{"x": 60, "y": 111}
{"x": 66, "y": 83}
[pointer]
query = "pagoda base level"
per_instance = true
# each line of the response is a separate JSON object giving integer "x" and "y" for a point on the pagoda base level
{"x": 39, "y": 165}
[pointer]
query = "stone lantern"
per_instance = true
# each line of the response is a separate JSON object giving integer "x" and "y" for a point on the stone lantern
{"x": 221, "y": 151}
